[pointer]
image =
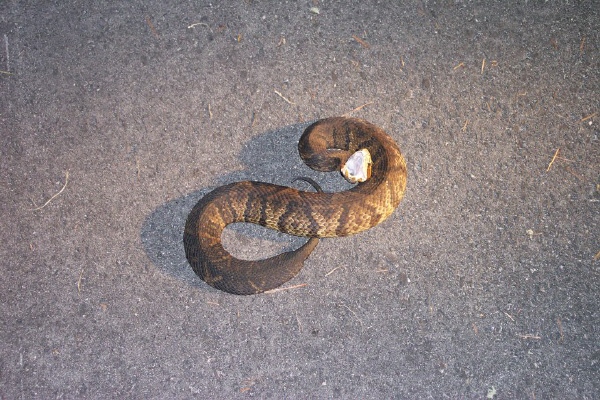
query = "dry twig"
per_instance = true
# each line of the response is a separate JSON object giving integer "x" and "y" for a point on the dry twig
{"x": 200, "y": 24}
{"x": 79, "y": 281}
{"x": 283, "y": 97}
{"x": 7, "y": 56}
{"x": 53, "y": 197}
{"x": 332, "y": 271}
{"x": 464, "y": 128}
{"x": 588, "y": 117}
{"x": 353, "y": 313}
{"x": 151, "y": 25}
{"x": 361, "y": 42}
{"x": 560, "y": 330}
{"x": 553, "y": 158}
{"x": 357, "y": 109}
{"x": 530, "y": 336}
{"x": 285, "y": 288}
{"x": 575, "y": 174}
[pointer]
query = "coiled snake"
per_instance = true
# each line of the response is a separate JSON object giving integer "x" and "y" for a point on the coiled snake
{"x": 326, "y": 145}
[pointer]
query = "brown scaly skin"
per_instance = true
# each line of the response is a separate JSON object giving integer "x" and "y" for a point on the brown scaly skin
{"x": 309, "y": 214}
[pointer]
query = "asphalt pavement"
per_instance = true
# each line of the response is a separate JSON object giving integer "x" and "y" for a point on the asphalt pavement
{"x": 116, "y": 117}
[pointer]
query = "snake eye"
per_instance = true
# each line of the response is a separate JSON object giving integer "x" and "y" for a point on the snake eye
{"x": 358, "y": 167}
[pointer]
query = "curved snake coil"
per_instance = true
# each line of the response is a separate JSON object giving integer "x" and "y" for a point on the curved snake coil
{"x": 325, "y": 145}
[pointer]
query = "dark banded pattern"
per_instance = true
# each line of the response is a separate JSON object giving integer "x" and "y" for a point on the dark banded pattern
{"x": 324, "y": 146}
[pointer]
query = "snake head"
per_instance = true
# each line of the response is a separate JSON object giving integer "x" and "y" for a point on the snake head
{"x": 358, "y": 167}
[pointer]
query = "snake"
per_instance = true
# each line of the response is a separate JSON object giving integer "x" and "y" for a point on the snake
{"x": 328, "y": 144}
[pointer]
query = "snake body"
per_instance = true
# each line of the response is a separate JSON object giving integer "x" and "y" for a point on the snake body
{"x": 325, "y": 145}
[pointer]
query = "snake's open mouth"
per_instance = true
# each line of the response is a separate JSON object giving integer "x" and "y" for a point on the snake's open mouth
{"x": 358, "y": 167}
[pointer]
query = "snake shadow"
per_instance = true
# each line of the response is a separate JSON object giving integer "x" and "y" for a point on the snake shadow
{"x": 271, "y": 157}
